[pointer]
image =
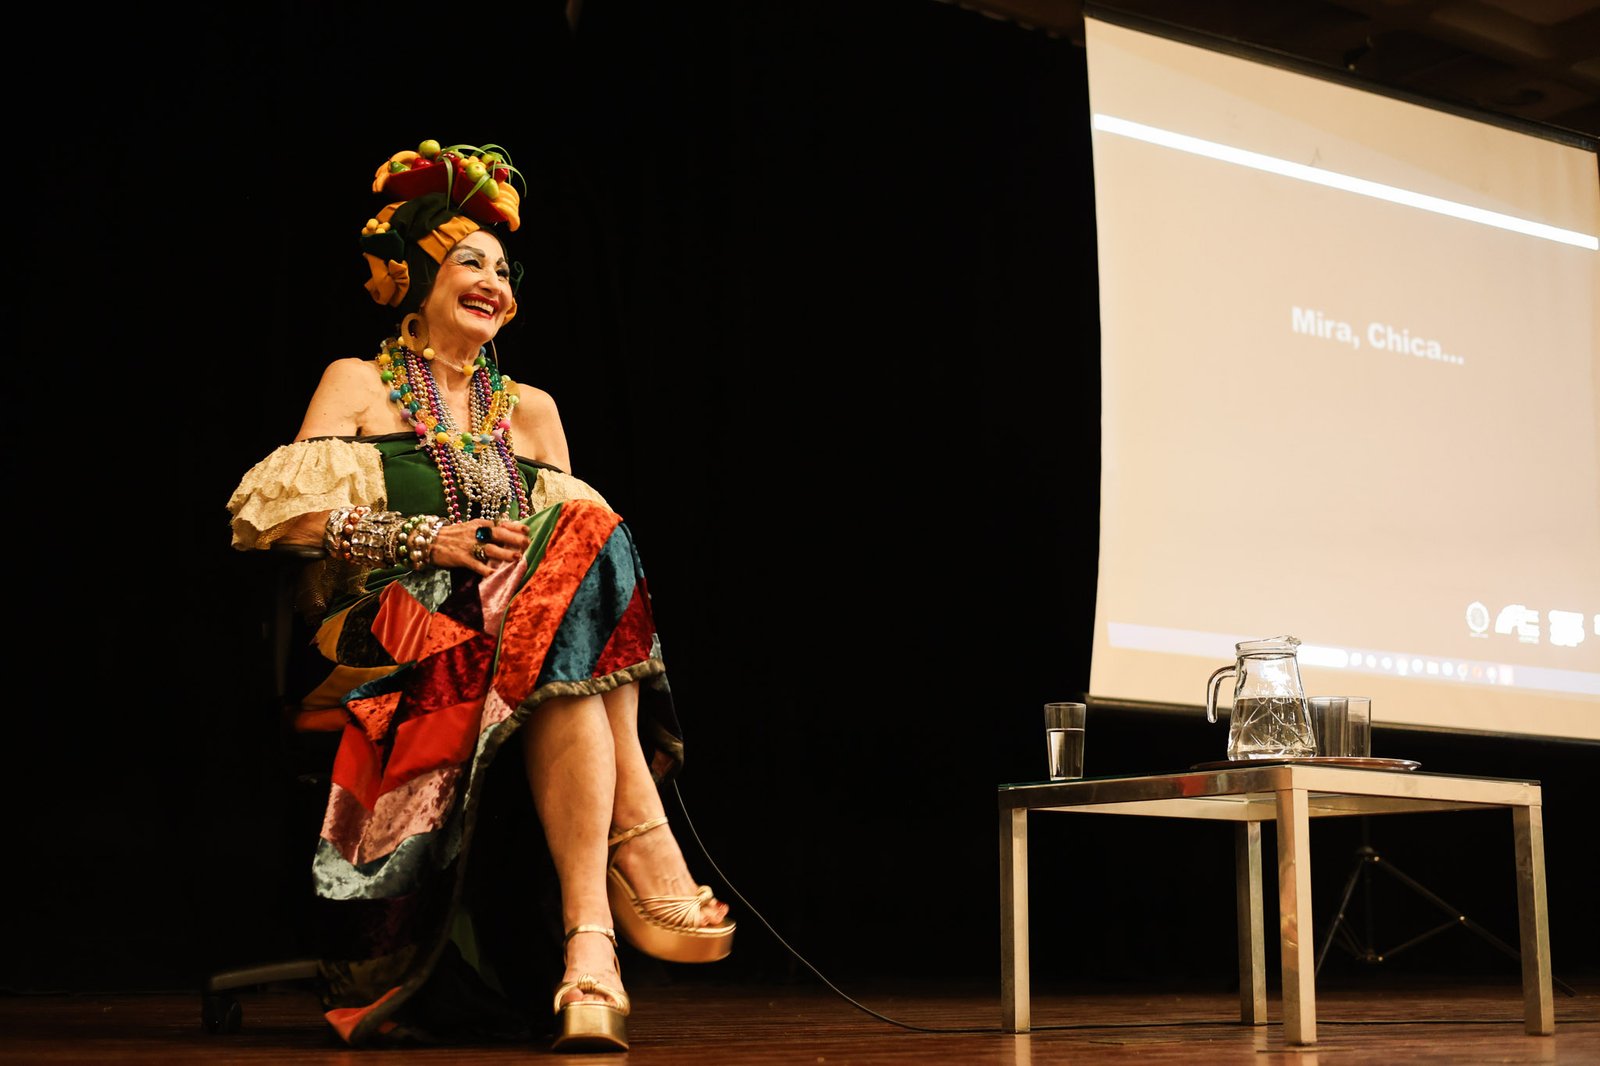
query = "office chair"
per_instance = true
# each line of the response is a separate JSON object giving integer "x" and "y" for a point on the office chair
{"x": 306, "y": 755}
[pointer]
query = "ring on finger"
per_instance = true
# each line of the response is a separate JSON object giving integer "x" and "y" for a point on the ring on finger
{"x": 480, "y": 554}
{"x": 484, "y": 534}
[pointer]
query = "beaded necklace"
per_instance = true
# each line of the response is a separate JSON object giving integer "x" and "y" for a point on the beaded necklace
{"x": 476, "y": 465}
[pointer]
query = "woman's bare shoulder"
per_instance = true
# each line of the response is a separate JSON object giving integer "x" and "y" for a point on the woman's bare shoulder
{"x": 347, "y": 400}
{"x": 530, "y": 398}
{"x": 536, "y": 426}
{"x": 351, "y": 369}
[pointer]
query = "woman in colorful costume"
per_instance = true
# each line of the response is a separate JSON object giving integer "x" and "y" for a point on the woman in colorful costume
{"x": 483, "y": 607}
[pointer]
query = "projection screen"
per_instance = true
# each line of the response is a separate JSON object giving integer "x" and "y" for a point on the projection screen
{"x": 1351, "y": 393}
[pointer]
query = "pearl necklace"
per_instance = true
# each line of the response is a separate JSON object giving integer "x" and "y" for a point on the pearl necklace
{"x": 476, "y": 466}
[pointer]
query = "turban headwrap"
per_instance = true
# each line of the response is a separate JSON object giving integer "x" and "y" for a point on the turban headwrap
{"x": 435, "y": 202}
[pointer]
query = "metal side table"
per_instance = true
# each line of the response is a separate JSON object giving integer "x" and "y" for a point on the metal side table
{"x": 1291, "y": 795}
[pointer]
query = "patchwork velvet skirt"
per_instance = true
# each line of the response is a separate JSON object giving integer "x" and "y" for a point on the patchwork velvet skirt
{"x": 440, "y": 668}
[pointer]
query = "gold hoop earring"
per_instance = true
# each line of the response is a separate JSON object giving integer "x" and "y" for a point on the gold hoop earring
{"x": 411, "y": 335}
{"x": 493, "y": 354}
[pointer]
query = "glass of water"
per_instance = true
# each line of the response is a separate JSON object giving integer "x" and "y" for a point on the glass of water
{"x": 1063, "y": 740}
{"x": 1343, "y": 725}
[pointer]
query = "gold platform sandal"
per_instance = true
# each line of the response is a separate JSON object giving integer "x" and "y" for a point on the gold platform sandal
{"x": 590, "y": 1024}
{"x": 665, "y": 927}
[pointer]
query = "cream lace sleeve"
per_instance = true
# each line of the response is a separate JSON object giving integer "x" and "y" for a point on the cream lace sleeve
{"x": 553, "y": 486}
{"x": 300, "y": 478}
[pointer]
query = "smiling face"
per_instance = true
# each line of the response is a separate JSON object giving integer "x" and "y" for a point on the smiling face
{"x": 471, "y": 295}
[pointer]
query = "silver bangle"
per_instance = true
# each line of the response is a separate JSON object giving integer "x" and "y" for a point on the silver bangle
{"x": 371, "y": 541}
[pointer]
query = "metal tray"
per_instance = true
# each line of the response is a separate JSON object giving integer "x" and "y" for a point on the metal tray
{"x": 1352, "y": 761}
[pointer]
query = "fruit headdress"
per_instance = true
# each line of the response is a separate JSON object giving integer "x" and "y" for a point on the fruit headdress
{"x": 437, "y": 196}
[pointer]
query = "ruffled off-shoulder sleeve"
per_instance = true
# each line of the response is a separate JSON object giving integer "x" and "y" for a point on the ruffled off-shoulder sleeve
{"x": 554, "y": 486}
{"x": 300, "y": 478}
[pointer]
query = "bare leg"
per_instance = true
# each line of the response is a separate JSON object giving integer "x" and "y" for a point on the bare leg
{"x": 652, "y": 862}
{"x": 571, "y": 765}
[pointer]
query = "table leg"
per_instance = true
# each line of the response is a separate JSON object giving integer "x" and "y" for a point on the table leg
{"x": 1015, "y": 995}
{"x": 1538, "y": 1008}
{"x": 1294, "y": 917}
{"x": 1252, "y": 944}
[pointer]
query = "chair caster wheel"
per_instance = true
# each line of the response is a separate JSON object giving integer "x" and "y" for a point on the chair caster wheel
{"x": 221, "y": 1013}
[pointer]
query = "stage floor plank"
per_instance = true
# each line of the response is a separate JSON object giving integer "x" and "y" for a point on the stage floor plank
{"x": 706, "y": 1024}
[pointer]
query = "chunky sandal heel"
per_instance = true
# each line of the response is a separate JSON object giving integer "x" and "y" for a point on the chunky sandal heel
{"x": 664, "y": 927}
{"x": 590, "y": 1024}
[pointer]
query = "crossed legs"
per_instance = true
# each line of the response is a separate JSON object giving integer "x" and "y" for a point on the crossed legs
{"x": 588, "y": 777}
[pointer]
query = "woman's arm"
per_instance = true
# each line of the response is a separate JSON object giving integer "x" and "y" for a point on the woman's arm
{"x": 305, "y": 531}
{"x": 351, "y": 400}
{"x": 338, "y": 408}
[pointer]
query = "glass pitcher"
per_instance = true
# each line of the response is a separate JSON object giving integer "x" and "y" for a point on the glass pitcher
{"x": 1269, "y": 719}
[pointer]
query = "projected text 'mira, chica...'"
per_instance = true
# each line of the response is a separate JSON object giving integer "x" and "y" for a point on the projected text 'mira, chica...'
{"x": 1311, "y": 322}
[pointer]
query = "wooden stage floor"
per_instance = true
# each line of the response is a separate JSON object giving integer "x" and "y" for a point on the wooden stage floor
{"x": 702, "y": 1024}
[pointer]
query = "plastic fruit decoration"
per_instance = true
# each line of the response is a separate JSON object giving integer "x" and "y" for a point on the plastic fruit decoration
{"x": 473, "y": 175}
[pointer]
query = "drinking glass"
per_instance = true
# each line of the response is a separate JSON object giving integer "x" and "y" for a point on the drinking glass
{"x": 1063, "y": 740}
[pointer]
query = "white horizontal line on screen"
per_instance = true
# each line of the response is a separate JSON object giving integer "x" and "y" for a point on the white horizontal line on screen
{"x": 1360, "y": 186}
{"x": 1415, "y": 665}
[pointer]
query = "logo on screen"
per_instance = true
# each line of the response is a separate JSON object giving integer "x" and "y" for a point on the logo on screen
{"x": 1519, "y": 620}
{"x": 1566, "y": 628}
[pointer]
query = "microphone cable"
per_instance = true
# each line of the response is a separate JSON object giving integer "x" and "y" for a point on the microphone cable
{"x": 787, "y": 946}
{"x": 734, "y": 891}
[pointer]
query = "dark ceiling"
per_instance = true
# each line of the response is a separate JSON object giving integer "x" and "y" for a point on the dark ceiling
{"x": 1534, "y": 61}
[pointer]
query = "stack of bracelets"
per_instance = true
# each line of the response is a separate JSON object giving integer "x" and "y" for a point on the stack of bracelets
{"x": 378, "y": 539}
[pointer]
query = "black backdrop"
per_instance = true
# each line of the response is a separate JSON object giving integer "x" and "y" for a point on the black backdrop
{"x": 813, "y": 284}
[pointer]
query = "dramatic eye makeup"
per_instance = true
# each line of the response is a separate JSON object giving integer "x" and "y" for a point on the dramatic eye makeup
{"x": 475, "y": 258}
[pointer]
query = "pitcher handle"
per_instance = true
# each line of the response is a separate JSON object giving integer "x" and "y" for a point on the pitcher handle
{"x": 1211, "y": 690}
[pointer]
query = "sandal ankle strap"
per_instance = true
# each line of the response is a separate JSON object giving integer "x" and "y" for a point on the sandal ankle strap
{"x": 628, "y": 834}
{"x": 609, "y": 933}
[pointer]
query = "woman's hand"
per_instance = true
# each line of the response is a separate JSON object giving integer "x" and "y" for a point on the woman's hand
{"x": 461, "y": 545}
